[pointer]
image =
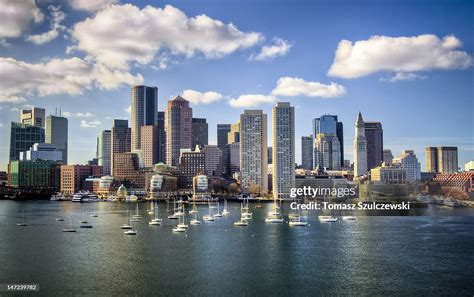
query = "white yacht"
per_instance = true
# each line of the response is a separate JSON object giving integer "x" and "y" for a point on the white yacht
{"x": 80, "y": 197}
{"x": 130, "y": 232}
{"x": 327, "y": 219}
{"x": 179, "y": 229}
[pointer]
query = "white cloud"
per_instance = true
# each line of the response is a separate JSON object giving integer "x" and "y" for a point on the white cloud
{"x": 78, "y": 114}
{"x": 91, "y": 5}
{"x": 196, "y": 97}
{"x": 279, "y": 48}
{"x": 398, "y": 54}
{"x": 87, "y": 124}
{"x": 294, "y": 86}
{"x": 56, "y": 76}
{"x": 120, "y": 34}
{"x": 128, "y": 109}
{"x": 16, "y": 15}
{"x": 57, "y": 16}
{"x": 251, "y": 100}
{"x": 1, "y": 125}
{"x": 400, "y": 76}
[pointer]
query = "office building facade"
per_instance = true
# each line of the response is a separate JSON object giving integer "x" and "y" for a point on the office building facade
{"x": 178, "y": 127}
{"x": 23, "y": 137}
{"x": 144, "y": 109}
{"x": 57, "y": 134}
{"x": 374, "y": 137}
{"x": 199, "y": 132}
{"x": 104, "y": 150}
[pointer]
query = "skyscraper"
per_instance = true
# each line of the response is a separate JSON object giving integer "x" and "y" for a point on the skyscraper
{"x": 374, "y": 137}
{"x": 178, "y": 126}
{"x": 307, "y": 152}
{"x": 283, "y": 149}
{"x": 222, "y": 130}
{"x": 387, "y": 157}
{"x": 327, "y": 151}
{"x": 447, "y": 159}
{"x": 213, "y": 160}
{"x": 360, "y": 147}
{"x": 234, "y": 134}
{"x": 191, "y": 163}
{"x": 200, "y": 132}
{"x": 329, "y": 124}
{"x": 432, "y": 159}
{"x": 149, "y": 145}
{"x": 104, "y": 150}
{"x": 161, "y": 137}
{"x": 34, "y": 117}
{"x": 253, "y": 151}
{"x": 22, "y": 138}
{"x": 120, "y": 140}
{"x": 57, "y": 134}
{"x": 144, "y": 108}
{"x": 408, "y": 161}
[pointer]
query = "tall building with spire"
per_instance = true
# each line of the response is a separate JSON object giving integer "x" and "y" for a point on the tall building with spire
{"x": 360, "y": 147}
{"x": 144, "y": 109}
{"x": 178, "y": 127}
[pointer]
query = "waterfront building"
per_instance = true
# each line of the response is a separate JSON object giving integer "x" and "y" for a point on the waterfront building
{"x": 307, "y": 152}
{"x": 108, "y": 185}
{"x": 253, "y": 151}
{"x": 22, "y": 138}
{"x": 161, "y": 137}
{"x": 104, "y": 150}
{"x": 150, "y": 137}
{"x": 329, "y": 124}
{"x": 283, "y": 144}
{"x": 457, "y": 185}
{"x": 407, "y": 160}
{"x": 199, "y": 132}
{"x": 442, "y": 159}
{"x": 127, "y": 169}
{"x": 374, "y": 138}
{"x": 388, "y": 174}
{"x": 91, "y": 184}
{"x": 33, "y": 117}
{"x": 120, "y": 139}
{"x": 57, "y": 134}
{"x": 387, "y": 157}
{"x": 469, "y": 166}
{"x": 178, "y": 127}
{"x": 360, "y": 148}
{"x": 327, "y": 151}
{"x": 213, "y": 160}
{"x": 222, "y": 131}
{"x": 161, "y": 184}
{"x": 191, "y": 163}
{"x": 36, "y": 175}
{"x": 42, "y": 151}
{"x": 144, "y": 109}
{"x": 73, "y": 177}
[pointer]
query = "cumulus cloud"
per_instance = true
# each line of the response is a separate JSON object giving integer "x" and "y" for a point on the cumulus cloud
{"x": 251, "y": 100}
{"x": 57, "y": 16}
{"x": 56, "y": 76}
{"x": 268, "y": 52}
{"x": 78, "y": 114}
{"x": 121, "y": 34}
{"x": 16, "y": 16}
{"x": 196, "y": 97}
{"x": 91, "y": 5}
{"x": 91, "y": 124}
{"x": 398, "y": 54}
{"x": 294, "y": 86}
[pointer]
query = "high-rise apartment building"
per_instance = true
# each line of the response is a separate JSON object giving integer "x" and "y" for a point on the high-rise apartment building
{"x": 283, "y": 150}
{"x": 307, "y": 152}
{"x": 200, "y": 132}
{"x": 178, "y": 126}
{"x": 22, "y": 138}
{"x": 327, "y": 151}
{"x": 57, "y": 134}
{"x": 104, "y": 150}
{"x": 253, "y": 151}
{"x": 329, "y": 124}
{"x": 150, "y": 138}
{"x": 191, "y": 163}
{"x": 222, "y": 131}
{"x": 360, "y": 147}
{"x": 374, "y": 137}
{"x": 120, "y": 140}
{"x": 144, "y": 109}
{"x": 34, "y": 117}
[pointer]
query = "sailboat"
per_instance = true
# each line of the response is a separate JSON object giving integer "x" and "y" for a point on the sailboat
{"x": 156, "y": 220}
{"x": 194, "y": 209}
{"x": 296, "y": 220}
{"x": 327, "y": 219}
{"x": 94, "y": 215}
{"x": 152, "y": 207}
{"x": 243, "y": 221}
{"x": 182, "y": 224}
{"x": 218, "y": 214}
{"x": 136, "y": 217}
{"x": 59, "y": 219}
{"x": 196, "y": 220}
{"x": 209, "y": 217}
{"x": 274, "y": 215}
{"x": 83, "y": 221}
{"x": 127, "y": 225}
{"x": 173, "y": 216}
{"x": 130, "y": 231}
{"x": 22, "y": 223}
{"x": 225, "y": 211}
{"x": 70, "y": 229}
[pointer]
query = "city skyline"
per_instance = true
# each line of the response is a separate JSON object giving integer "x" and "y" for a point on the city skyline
{"x": 282, "y": 65}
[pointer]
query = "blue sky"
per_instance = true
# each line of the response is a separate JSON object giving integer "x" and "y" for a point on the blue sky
{"x": 407, "y": 64}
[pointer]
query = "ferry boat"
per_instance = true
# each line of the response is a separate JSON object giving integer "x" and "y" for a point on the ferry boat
{"x": 80, "y": 197}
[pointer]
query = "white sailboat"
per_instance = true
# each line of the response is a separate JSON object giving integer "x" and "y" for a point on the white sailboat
{"x": 22, "y": 223}
{"x": 195, "y": 220}
{"x": 194, "y": 209}
{"x": 243, "y": 221}
{"x": 152, "y": 207}
{"x": 225, "y": 211}
{"x": 296, "y": 220}
{"x": 94, "y": 215}
{"x": 274, "y": 215}
{"x": 156, "y": 220}
{"x": 173, "y": 216}
{"x": 83, "y": 221}
{"x": 127, "y": 225}
{"x": 327, "y": 219}
{"x": 349, "y": 218}
{"x": 136, "y": 217}
{"x": 182, "y": 222}
{"x": 209, "y": 217}
{"x": 218, "y": 214}
{"x": 70, "y": 229}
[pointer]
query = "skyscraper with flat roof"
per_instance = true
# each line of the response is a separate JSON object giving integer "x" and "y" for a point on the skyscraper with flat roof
{"x": 329, "y": 124}
{"x": 120, "y": 140}
{"x": 104, "y": 150}
{"x": 200, "y": 132}
{"x": 307, "y": 152}
{"x": 447, "y": 159}
{"x": 57, "y": 134}
{"x": 374, "y": 137}
{"x": 22, "y": 138}
{"x": 222, "y": 130}
{"x": 34, "y": 116}
{"x": 144, "y": 109}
